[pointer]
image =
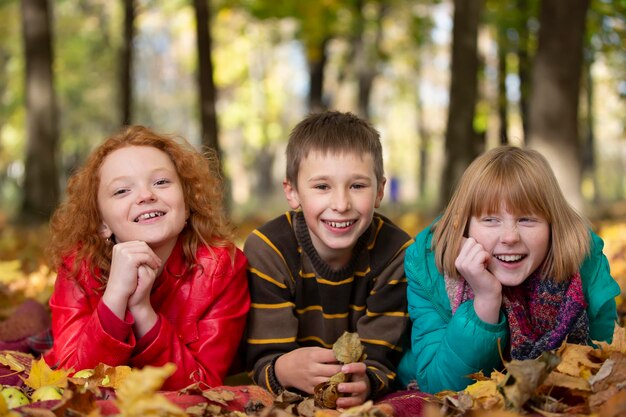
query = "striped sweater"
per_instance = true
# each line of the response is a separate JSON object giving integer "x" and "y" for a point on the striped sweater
{"x": 298, "y": 300}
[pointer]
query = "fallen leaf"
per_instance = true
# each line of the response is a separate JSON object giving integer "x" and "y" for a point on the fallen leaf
{"x": 618, "y": 344}
{"x": 41, "y": 375}
{"x": 524, "y": 376}
{"x": 137, "y": 396}
{"x": 575, "y": 359}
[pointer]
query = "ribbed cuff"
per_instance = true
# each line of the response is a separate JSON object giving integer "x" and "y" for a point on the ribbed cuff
{"x": 272, "y": 381}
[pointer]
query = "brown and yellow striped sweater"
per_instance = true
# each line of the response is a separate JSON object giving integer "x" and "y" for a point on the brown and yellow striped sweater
{"x": 298, "y": 300}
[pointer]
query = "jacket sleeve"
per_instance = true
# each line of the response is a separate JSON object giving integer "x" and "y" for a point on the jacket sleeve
{"x": 600, "y": 290}
{"x": 80, "y": 341}
{"x": 444, "y": 348}
{"x": 216, "y": 335}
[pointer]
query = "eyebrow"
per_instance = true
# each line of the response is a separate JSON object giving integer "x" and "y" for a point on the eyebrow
{"x": 152, "y": 172}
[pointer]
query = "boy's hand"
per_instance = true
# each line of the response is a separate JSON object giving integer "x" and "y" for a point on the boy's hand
{"x": 472, "y": 263}
{"x": 358, "y": 388}
{"x": 306, "y": 367}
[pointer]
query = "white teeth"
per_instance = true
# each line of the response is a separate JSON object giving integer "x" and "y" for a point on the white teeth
{"x": 150, "y": 215}
{"x": 340, "y": 225}
{"x": 510, "y": 258}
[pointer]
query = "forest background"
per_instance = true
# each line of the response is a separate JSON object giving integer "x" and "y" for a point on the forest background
{"x": 441, "y": 80}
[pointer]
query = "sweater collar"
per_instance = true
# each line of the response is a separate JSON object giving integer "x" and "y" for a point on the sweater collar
{"x": 321, "y": 267}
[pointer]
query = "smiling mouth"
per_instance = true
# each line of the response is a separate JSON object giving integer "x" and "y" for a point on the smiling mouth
{"x": 340, "y": 225}
{"x": 150, "y": 215}
{"x": 510, "y": 258}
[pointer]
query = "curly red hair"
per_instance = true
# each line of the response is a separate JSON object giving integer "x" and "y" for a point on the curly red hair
{"x": 75, "y": 225}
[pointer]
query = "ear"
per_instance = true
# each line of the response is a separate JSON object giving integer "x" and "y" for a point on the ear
{"x": 291, "y": 193}
{"x": 380, "y": 193}
{"x": 105, "y": 231}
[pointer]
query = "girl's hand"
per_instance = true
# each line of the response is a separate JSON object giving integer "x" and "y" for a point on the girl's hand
{"x": 306, "y": 367}
{"x": 358, "y": 387}
{"x": 123, "y": 279}
{"x": 139, "y": 303}
{"x": 472, "y": 263}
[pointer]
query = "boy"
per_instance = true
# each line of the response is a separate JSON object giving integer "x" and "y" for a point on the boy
{"x": 330, "y": 265}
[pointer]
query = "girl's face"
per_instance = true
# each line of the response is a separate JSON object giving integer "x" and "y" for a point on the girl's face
{"x": 140, "y": 197}
{"x": 518, "y": 244}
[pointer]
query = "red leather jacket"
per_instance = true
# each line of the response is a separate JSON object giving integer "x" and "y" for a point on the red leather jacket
{"x": 202, "y": 314}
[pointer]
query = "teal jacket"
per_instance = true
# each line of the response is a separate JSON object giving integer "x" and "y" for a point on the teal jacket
{"x": 445, "y": 348}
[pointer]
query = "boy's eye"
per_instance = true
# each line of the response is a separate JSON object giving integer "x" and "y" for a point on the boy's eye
{"x": 359, "y": 186}
{"x": 321, "y": 187}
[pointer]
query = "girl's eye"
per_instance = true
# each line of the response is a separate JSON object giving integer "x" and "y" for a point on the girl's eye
{"x": 120, "y": 191}
{"x": 162, "y": 181}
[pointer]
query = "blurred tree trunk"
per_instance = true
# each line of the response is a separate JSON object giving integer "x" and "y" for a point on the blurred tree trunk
{"x": 126, "y": 62}
{"x": 588, "y": 135}
{"x": 503, "y": 101}
{"x": 41, "y": 186}
{"x": 366, "y": 48}
{"x": 208, "y": 94}
{"x": 461, "y": 141}
{"x": 555, "y": 92}
{"x": 523, "y": 63}
{"x": 316, "y": 57}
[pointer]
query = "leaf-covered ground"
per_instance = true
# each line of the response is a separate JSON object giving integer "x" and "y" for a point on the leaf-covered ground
{"x": 574, "y": 380}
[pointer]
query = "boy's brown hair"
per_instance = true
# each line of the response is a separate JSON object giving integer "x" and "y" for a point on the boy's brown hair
{"x": 521, "y": 181}
{"x": 336, "y": 133}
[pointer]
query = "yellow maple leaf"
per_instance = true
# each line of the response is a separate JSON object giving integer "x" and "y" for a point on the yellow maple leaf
{"x": 619, "y": 341}
{"x": 137, "y": 397}
{"x": 41, "y": 375}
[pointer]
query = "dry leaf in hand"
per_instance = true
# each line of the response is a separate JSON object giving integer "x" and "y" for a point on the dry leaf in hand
{"x": 348, "y": 348}
{"x": 326, "y": 394}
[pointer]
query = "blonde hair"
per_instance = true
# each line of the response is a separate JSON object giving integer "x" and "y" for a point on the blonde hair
{"x": 336, "y": 133}
{"x": 75, "y": 225}
{"x": 522, "y": 181}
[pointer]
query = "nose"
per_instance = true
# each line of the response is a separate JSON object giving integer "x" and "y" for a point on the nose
{"x": 145, "y": 195}
{"x": 340, "y": 201}
{"x": 510, "y": 233}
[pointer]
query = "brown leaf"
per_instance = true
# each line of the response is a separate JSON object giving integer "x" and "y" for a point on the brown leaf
{"x": 523, "y": 377}
{"x": 615, "y": 406}
{"x": 613, "y": 371}
{"x": 219, "y": 396}
{"x": 326, "y": 394}
{"x": 74, "y": 402}
{"x": 307, "y": 408}
{"x": 567, "y": 381}
{"x": 348, "y": 348}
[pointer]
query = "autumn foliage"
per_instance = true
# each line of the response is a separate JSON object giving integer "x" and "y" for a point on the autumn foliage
{"x": 574, "y": 380}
